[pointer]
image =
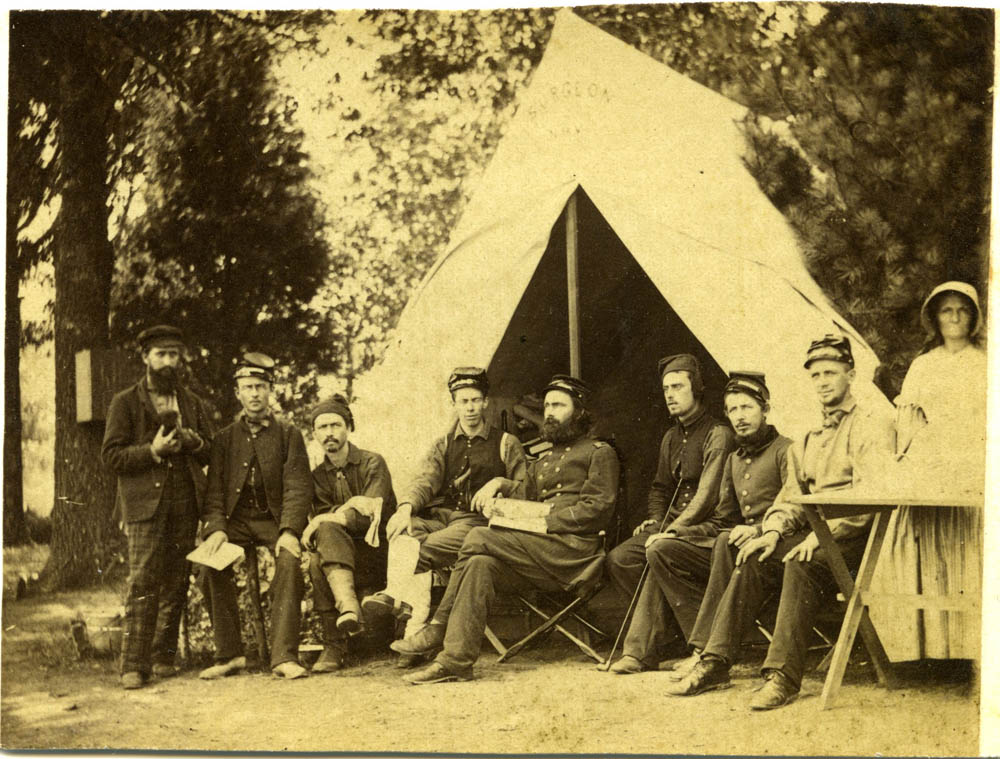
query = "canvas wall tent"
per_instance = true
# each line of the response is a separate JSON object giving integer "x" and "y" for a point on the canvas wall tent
{"x": 676, "y": 249}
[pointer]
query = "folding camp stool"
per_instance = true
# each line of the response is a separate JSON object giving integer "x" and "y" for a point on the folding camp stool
{"x": 569, "y": 603}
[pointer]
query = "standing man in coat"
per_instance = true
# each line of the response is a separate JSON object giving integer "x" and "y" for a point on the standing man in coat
{"x": 259, "y": 493}
{"x": 851, "y": 445}
{"x": 435, "y": 512}
{"x": 578, "y": 481}
{"x": 692, "y": 457}
{"x": 687, "y": 559}
{"x": 157, "y": 441}
{"x": 354, "y": 497}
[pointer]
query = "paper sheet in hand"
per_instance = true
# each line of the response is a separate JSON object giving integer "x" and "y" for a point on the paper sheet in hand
{"x": 524, "y": 525}
{"x": 226, "y": 554}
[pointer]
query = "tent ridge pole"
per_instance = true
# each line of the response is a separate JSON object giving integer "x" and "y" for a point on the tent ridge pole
{"x": 572, "y": 286}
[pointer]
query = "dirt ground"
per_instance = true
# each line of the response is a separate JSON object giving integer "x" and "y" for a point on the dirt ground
{"x": 547, "y": 700}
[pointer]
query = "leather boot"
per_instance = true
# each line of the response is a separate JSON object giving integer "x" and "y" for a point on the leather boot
{"x": 341, "y": 581}
{"x": 334, "y": 647}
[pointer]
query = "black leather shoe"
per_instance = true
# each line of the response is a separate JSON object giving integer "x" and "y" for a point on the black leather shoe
{"x": 330, "y": 660}
{"x": 409, "y": 661}
{"x": 436, "y": 673}
{"x": 427, "y": 640}
{"x": 381, "y": 604}
{"x": 706, "y": 675}
{"x": 628, "y": 665}
{"x": 134, "y": 680}
{"x": 777, "y": 690}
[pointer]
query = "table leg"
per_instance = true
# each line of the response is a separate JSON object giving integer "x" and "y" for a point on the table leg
{"x": 856, "y": 617}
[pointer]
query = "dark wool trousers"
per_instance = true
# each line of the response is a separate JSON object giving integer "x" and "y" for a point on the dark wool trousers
{"x": 441, "y": 533}
{"x": 625, "y": 563}
{"x": 723, "y": 566}
{"x": 669, "y": 600}
{"x": 248, "y": 528}
{"x": 495, "y": 560}
{"x": 336, "y": 546}
{"x": 805, "y": 588}
{"x": 158, "y": 575}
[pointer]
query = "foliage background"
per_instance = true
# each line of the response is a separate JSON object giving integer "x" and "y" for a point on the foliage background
{"x": 282, "y": 181}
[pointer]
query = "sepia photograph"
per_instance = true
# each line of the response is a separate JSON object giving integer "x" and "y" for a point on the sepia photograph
{"x": 605, "y": 379}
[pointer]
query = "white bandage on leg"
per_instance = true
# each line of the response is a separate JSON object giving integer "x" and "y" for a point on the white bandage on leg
{"x": 418, "y": 596}
{"x": 404, "y": 552}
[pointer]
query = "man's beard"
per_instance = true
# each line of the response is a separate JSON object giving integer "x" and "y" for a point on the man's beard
{"x": 332, "y": 445}
{"x": 164, "y": 380}
{"x": 754, "y": 439}
{"x": 563, "y": 432}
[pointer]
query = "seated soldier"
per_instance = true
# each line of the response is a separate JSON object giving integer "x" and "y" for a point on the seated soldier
{"x": 686, "y": 559}
{"x": 684, "y": 493}
{"x": 435, "y": 513}
{"x": 754, "y": 475}
{"x": 353, "y": 498}
{"x": 259, "y": 493}
{"x": 852, "y": 444}
{"x": 577, "y": 482}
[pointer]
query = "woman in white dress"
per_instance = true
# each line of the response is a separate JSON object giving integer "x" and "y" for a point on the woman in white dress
{"x": 941, "y": 446}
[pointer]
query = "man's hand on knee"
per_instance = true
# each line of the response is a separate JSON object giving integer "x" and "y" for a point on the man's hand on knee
{"x": 764, "y": 545}
{"x": 399, "y": 523}
{"x": 308, "y": 535}
{"x": 803, "y": 551}
{"x": 290, "y": 543}
{"x": 741, "y": 533}
{"x": 657, "y": 536}
{"x": 643, "y": 526}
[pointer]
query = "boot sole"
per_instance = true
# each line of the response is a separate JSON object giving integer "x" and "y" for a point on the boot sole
{"x": 377, "y": 609}
{"x": 705, "y": 689}
{"x": 786, "y": 702}
{"x": 349, "y": 626}
{"x": 411, "y": 662}
{"x": 442, "y": 679}
{"x": 427, "y": 652}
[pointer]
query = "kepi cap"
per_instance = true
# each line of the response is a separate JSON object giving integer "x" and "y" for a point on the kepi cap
{"x": 255, "y": 365}
{"x": 751, "y": 383}
{"x": 830, "y": 348}
{"x": 962, "y": 288}
{"x": 335, "y": 405}
{"x": 161, "y": 336}
{"x": 574, "y": 386}
{"x": 683, "y": 362}
{"x": 469, "y": 376}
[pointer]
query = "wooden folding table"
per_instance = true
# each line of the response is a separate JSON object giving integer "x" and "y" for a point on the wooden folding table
{"x": 841, "y": 503}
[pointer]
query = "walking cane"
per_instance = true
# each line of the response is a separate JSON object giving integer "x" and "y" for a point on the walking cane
{"x": 642, "y": 579}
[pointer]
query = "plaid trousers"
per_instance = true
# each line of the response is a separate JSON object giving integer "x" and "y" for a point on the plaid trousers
{"x": 158, "y": 574}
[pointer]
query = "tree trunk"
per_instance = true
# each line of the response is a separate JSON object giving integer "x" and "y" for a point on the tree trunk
{"x": 14, "y": 532}
{"x": 86, "y": 543}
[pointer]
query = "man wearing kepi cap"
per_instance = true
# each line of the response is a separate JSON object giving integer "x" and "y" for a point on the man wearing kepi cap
{"x": 436, "y": 509}
{"x": 156, "y": 440}
{"x": 347, "y": 532}
{"x": 575, "y": 485}
{"x": 754, "y": 475}
{"x": 851, "y": 445}
{"x": 691, "y": 461}
{"x": 688, "y": 565}
{"x": 259, "y": 493}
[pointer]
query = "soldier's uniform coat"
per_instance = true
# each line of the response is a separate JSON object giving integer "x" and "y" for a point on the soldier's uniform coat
{"x": 580, "y": 480}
